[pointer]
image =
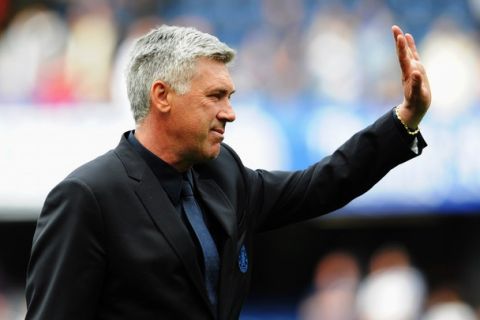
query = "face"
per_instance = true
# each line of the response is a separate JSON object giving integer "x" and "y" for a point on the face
{"x": 198, "y": 118}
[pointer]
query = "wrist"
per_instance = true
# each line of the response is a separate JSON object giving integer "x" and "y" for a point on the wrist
{"x": 411, "y": 114}
{"x": 411, "y": 127}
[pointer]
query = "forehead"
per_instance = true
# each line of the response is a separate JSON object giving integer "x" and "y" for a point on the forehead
{"x": 213, "y": 74}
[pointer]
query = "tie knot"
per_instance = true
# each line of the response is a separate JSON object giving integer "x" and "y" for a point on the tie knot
{"x": 187, "y": 190}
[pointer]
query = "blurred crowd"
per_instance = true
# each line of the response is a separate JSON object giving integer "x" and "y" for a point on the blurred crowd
{"x": 292, "y": 55}
{"x": 393, "y": 289}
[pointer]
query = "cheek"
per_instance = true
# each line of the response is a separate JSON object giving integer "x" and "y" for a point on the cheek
{"x": 197, "y": 122}
{"x": 196, "y": 132}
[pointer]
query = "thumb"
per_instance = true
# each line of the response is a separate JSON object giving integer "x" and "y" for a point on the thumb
{"x": 416, "y": 83}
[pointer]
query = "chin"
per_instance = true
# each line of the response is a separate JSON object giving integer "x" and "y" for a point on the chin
{"x": 207, "y": 157}
{"x": 214, "y": 153}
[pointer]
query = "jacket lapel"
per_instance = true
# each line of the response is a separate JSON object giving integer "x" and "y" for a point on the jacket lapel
{"x": 218, "y": 205}
{"x": 163, "y": 214}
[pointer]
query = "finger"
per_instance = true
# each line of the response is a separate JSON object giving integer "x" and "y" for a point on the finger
{"x": 396, "y": 31}
{"x": 412, "y": 46}
{"x": 403, "y": 56}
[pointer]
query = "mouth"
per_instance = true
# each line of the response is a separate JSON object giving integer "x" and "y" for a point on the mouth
{"x": 220, "y": 131}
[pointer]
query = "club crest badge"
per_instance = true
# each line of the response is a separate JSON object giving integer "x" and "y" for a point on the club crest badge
{"x": 243, "y": 260}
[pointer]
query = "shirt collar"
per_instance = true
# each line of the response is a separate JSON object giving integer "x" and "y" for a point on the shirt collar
{"x": 169, "y": 178}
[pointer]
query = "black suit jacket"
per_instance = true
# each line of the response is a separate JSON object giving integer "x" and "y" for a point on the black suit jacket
{"x": 110, "y": 245}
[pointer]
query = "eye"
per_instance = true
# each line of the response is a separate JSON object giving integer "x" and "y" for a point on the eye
{"x": 220, "y": 94}
{"x": 215, "y": 96}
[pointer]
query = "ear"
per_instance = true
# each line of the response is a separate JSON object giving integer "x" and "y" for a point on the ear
{"x": 159, "y": 92}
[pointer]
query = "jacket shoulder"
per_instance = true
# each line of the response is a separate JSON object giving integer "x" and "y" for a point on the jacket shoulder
{"x": 97, "y": 169}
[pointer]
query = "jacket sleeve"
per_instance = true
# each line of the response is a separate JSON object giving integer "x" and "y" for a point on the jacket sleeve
{"x": 281, "y": 198}
{"x": 67, "y": 262}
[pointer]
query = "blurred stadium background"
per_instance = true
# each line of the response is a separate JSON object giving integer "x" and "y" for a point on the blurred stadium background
{"x": 309, "y": 73}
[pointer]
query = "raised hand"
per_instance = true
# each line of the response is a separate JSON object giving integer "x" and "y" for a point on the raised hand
{"x": 416, "y": 89}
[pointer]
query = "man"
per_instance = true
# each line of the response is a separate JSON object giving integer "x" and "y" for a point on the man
{"x": 161, "y": 227}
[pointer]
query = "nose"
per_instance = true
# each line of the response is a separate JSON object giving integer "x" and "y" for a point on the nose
{"x": 227, "y": 113}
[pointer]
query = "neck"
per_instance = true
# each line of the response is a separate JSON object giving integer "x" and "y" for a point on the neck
{"x": 149, "y": 138}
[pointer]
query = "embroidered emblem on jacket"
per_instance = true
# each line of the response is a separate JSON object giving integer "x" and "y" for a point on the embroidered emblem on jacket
{"x": 243, "y": 260}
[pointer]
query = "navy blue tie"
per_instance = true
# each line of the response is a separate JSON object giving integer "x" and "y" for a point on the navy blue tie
{"x": 209, "y": 249}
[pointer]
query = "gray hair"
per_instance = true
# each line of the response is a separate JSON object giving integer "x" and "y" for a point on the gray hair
{"x": 168, "y": 53}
